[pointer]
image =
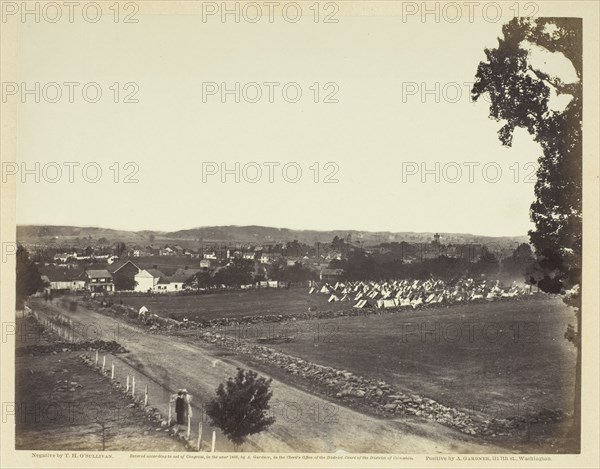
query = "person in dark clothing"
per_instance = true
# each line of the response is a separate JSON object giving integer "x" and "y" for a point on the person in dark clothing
{"x": 180, "y": 408}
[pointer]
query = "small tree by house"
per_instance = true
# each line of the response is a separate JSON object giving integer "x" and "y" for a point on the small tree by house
{"x": 240, "y": 406}
{"x": 29, "y": 279}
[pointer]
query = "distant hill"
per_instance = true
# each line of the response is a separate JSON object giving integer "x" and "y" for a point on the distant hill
{"x": 45, "y": 234}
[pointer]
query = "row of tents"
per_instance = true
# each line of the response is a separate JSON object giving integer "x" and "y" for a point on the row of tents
{"x": 398, "y": 293}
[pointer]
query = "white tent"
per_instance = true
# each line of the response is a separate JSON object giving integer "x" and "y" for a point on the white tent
{"x": 362, "y": 304}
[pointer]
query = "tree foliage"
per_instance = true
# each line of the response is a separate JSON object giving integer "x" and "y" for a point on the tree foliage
{"x": 202, "y": 279}
{"x": 239, "y": 272}
{"x": 240, "y": 406}
{"x": 520, "y": 96}
{"x": 124, "y": 282}
{"x": 28, "y": 278}
{"x": 291, "y": 273}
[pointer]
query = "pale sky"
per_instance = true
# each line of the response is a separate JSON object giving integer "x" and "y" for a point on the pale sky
{"x": 373, "y": 134}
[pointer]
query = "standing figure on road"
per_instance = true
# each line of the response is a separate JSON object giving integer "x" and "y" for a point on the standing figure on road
{"x": 179, "y": 409}
{"x": 183, "y": 408}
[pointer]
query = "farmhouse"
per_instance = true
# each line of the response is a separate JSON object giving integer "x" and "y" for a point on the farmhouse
{"x": 210, "y": 255}
{"x": 167, "y": 251}
{"x": 124, "y": 273}
{"x": 163, "y": 285}
{"x": 153, "y": 280}
{"x": 146, "y": 280}
{"x": 61, "y": 279}
{"x": 99, "y": 280}
{"x": 180, "y": 278}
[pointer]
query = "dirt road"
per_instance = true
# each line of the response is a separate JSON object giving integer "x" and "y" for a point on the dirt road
{"x": 304, "y": 422}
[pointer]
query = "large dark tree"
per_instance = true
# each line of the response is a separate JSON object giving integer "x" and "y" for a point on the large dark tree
{"x": 520, "y": 93}
{"x": 28, "y": 279}
{"x": 239, "y": 272}
{"x": 240, "y": 406}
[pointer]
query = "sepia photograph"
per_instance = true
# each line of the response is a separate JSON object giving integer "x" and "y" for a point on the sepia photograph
{"x": 299, "y": 234}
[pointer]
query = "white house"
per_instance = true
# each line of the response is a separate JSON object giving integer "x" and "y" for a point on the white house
{"x": 147, "y": 279}
{"x": 152, "y": 280}
{"x": 63, "y": 279}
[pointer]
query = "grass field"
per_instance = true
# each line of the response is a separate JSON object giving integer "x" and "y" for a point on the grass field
{"x": 234, "y": 304}
{"x": 500, "y": 358}
{"x": 504, "y": 358}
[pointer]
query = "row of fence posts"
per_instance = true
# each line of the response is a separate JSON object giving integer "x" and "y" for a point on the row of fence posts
{"x": 130, "y": 384}
{"x": 65, "y": 334}
{"x": 68, "y": 334}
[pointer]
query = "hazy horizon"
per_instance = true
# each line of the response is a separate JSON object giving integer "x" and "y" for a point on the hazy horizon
{"x": 268, "y": 226}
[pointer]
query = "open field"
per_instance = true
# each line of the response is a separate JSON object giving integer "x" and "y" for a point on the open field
{"x": 234, "y": 303}
{"x": 504, "y": 359}
{"x": 501, "y": 359}
{"x": 174, "y": 362}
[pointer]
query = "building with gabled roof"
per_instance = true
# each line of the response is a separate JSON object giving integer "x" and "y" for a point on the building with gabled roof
{"x": 61, "y": 278}
{"x": 99, "y": 280}
{"x": 147, "y": 279}
{"x": 124, "y": 273}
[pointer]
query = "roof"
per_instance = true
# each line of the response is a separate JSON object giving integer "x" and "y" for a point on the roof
{"x": 60, "y": 274}
{"x": 155, "y": 273}
{"x": 181, "y": 275}
{"x": 101, "y": 273}
{"x": 118, "y": 265}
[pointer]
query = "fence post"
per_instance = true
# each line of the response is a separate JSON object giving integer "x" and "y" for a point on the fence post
{"x": 112, "y": 371}
{"x": 189, "y": 429}
{"x": 96, "y": 358}
{"x": 127, "y": 388}
{"x": 214, "y": 440}
{"x": 169, "y": 419}
{"x": 103, "y": 363}
{"x": 146, "y": 396}
{"x": 133, "y": 386}
{"x": 199, "y": 435}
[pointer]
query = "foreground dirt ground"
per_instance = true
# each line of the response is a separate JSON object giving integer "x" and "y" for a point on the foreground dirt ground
{"x": 62, "y": 404}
